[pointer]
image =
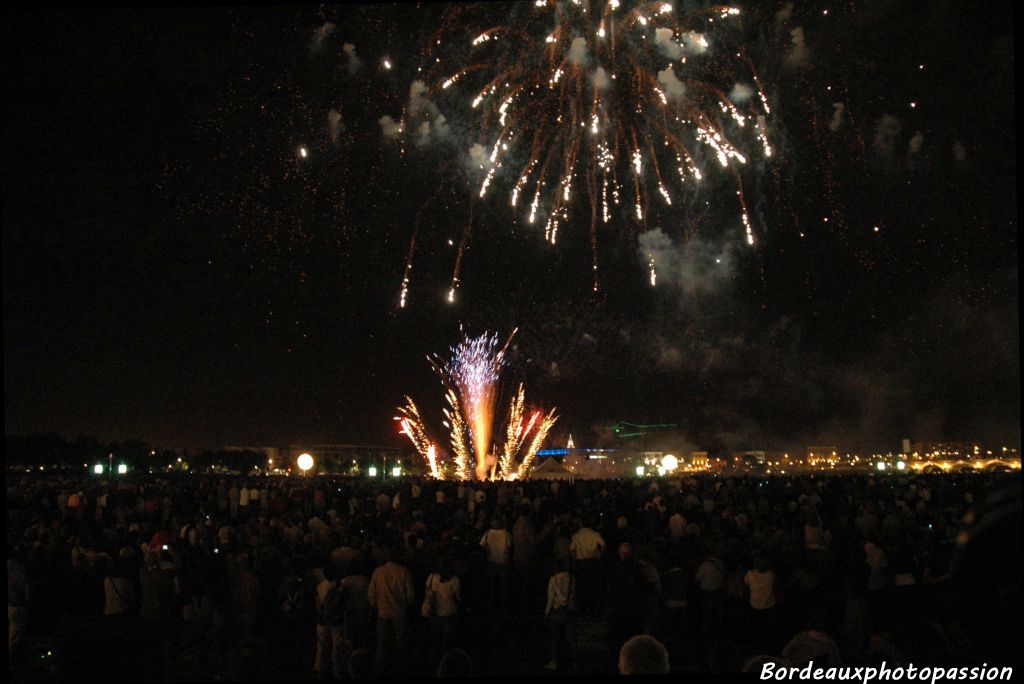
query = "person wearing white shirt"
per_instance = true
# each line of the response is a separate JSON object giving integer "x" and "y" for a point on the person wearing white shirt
{"x": 760, "y": 580}
{"x": 442, "y": 597}
{"x": 559, "y": 612}
{"x": 761, "y": 584}
{"x": 676, "y": 525}
{"x": 587, "y": 544}
{"x": 586, "y": 547}
{"x": 498, "y": 543}
{"x": 244, "y": 495}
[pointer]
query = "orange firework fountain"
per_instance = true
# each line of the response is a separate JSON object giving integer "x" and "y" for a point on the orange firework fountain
{"x": 471, "y": 376}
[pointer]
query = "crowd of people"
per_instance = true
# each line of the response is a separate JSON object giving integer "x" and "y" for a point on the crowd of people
{"x": 209, "y": 576}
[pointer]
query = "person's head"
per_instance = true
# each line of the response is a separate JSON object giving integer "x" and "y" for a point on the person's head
{"x": 756, "y": 664}
{"x": 497, "y": 522}
{"x": 625, "y": 551}
{"x": 812, "y": 645}
{"x": 643, "y": 654}
{"x": 455, "y": 663}
{"x": 444, "y": 568}
{"x": 391, "y": 553}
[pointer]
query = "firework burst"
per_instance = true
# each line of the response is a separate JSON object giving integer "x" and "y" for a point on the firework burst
{"x": 628, "y": 102}
{"x": 471, "y": 376}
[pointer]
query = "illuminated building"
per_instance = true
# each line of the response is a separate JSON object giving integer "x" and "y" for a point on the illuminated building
{"x": 822, "y": 456}
{"x": 699, "y": 460}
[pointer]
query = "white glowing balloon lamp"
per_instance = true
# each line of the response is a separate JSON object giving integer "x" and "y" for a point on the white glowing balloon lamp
{"x": 305, "y": 462}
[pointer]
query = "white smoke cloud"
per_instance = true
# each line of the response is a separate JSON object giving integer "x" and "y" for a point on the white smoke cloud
{"x": 674, "y": 88}
{"x": 916, "y": 142}
{"x": 664, "y": 40}
{"x": 837, "y": 116}
{"x": 423, "y": 134}
{"x": 389, "y": 127}
{"x": 441, "y": 129}
{"x": 799, "y": 56}
{"x": 429, "y": 131}
{"x": 353, "y": 61}
{"x": 740, "y": 93}
{"x": 320, "y": 35}
{"x": 959, "y": 151}
{"x": 578, "y": 51}
{"x": 478, "y": 156}
{"x": 334, "y": 125}
{"x": 695, "y": 43}
{"x": 416, "y": 90}
{"x": 424, "y": 118}
{"x": 783, "y": 15}
{"x": 692, "y": 267}
{"x": 601, "y": 80}
{"x": 886, "y": 132}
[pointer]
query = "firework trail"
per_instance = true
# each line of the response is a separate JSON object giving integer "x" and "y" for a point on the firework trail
{"x": 459, "y": 431}
{"x": 471, "y": 376}
{"x": 538, "y": 439}
{"x": 623, "y": 101}
{"x": 414, "y": 427}
{"x": 515, "y": 432}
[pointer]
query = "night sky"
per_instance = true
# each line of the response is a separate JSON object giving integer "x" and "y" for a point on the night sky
{"x": 174, "y": 270}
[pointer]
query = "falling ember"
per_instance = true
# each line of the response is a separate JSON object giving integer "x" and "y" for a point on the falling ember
{"x": 654, "y": 274}
{"x": 404, "y": 294}
{"x": 763, "y": 136}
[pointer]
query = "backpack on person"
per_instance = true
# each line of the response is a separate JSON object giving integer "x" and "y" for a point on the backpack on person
{"x": 332, "y": 609}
